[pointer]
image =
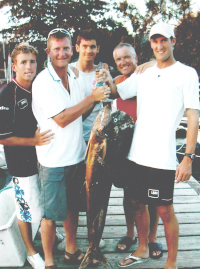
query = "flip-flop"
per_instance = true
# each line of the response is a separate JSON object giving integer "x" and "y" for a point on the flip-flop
{"x": 135, "y": 260}
{"x": 127, "y": 241}
{"x": 155, "y": 247}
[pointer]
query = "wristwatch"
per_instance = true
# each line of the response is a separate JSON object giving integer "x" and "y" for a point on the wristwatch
{"x": 191, "y": 156}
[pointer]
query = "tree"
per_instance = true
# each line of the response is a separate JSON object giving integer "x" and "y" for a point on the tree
{"x": 187, "y": 48}
{"x": 155, "y": 10}
{"x": 44, "y": 15}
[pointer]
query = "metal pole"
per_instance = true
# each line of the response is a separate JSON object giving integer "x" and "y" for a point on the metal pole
{"x": 4, "y": 58}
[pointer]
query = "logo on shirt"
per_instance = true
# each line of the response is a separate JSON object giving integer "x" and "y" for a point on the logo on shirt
{"x": 94, "y": 82}
{"x": 153, "y": 193}
{"x": 22, "y": 103}
{"x": 4, "y": 108}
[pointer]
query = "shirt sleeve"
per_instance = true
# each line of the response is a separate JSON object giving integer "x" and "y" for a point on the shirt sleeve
{"x": 6, "y": 114}
{"x": 47, "y": 97}
{"x": 128, "y": 88}
{"x": 191, "y": 89}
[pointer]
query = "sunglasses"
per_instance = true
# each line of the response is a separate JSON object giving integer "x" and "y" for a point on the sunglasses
{"x": 58, "y": 30}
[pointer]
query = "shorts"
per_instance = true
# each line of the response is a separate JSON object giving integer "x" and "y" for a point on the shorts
{"x": 60, "y": 189}
{"x": 28, "y": 198}
{"x": 148, "y": 185}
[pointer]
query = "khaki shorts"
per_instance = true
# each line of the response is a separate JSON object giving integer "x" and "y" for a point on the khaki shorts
{"x": 28, "y": 198}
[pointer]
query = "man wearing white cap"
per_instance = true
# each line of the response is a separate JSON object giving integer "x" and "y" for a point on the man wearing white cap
{"x": 163, "y": 92}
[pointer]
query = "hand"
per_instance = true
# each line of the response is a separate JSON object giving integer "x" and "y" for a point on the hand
{"x": 42, "y": 138}
{"x": 101, "y": 93}
{"x": 103, "y": 76}
{"x": 184, "y": 170}
{"x": 141, "y": 68}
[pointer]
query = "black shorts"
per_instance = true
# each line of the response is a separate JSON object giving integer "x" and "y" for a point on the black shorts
{"x": 148, "y": 185}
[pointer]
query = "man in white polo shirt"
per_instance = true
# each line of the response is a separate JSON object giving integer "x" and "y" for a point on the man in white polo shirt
{"x": 163, "y": 92}
{"x": 59, "y": 102}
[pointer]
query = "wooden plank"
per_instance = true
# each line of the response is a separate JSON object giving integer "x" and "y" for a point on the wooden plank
{"x": 119, "y": 220}
{"x": 185, "y": 259}
{"x": 118, "y": 231}
{"x": 185, "y": 243}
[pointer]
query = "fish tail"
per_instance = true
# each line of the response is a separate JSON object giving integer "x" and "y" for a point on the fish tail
{"x": 94, "y": 255}
{"x": 88, "y": 258}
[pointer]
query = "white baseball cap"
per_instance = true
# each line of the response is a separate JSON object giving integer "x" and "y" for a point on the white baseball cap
{"x": 162, "y": 28}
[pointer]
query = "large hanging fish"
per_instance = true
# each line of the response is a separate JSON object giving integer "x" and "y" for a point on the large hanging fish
{"x": 110, "y": 138}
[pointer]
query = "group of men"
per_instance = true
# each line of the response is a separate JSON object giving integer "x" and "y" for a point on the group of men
{"x": 63, "y": 106}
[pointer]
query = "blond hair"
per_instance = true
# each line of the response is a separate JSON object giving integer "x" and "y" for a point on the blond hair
{"x": 23, "y": 48}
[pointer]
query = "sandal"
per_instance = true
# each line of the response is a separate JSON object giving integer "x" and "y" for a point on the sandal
{"x": 127, "y": 241}
{"x": 73, "y": 258}
{"x": 153, "y": 247}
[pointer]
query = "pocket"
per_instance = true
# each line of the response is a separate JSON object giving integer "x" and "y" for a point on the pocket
{"x": 51, "y": 174}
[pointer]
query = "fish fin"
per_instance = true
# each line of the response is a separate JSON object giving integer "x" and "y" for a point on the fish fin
{"x": 88, "y": 258}
{"x": 87, "y": 150}
{"x": 97, "y": 255}
{"x": 104, "y": 150}
{"x": 102, "y": 259}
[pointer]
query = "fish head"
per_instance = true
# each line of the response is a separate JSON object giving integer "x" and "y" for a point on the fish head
{"x": 120, "y": 132}
{"x": 103, "y": 119}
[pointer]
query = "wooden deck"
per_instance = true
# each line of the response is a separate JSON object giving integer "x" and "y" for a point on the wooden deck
{"x": 187, "y": 208}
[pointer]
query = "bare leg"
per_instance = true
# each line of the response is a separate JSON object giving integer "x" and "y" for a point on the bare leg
{"x": 171, "y": 233}
{"x": 154, "y": 218}
{"x": 129, "y": 211}
{"x": 26, "y": 232}
{"x": 48, "y": 231}
{"x": 142, "y": 224}
{"x": 70, "y": 226}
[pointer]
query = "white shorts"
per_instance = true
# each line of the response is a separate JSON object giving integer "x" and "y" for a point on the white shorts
{"x": 28, "y": 198}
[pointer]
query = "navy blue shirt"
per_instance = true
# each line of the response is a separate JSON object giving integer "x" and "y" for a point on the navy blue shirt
{"x": 17, "y": 119}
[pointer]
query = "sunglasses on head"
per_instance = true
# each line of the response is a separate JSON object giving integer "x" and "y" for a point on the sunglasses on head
{"x": 58, "y": 30}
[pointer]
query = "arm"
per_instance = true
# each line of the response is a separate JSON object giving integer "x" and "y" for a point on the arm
{"x": 104, "y": 75}
{"x": 184, "y": 170}
{"x": 39, "y": 139}
{"x": 70, "y": 114}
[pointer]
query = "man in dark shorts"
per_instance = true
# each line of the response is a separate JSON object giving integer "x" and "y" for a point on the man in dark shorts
{"x": 163, "y": 92}
{"x": 126, "y": 61}
{"x": 59, "y": 102}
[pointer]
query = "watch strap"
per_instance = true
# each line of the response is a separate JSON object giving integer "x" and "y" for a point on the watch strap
{"x": 190, "y": 155}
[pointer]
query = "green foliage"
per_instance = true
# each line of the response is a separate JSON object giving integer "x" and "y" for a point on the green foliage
{"x": 187, "y": 48}
{"x": 44, "y": 15}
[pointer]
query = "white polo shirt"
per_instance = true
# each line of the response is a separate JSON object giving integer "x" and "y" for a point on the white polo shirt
{"x": 49, "y": 99}
{"x": 162, "y": 97}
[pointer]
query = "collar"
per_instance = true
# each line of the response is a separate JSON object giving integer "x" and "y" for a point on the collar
{"x": 15, "y": 82}
{"x": 55, "y": 75}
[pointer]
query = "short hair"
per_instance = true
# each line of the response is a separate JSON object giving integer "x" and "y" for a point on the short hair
{"x": 88, "y": 34}
{"x": 58, "y": 35}
{"x": 23, "y": 48}
{"x": 129, "y": 46}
